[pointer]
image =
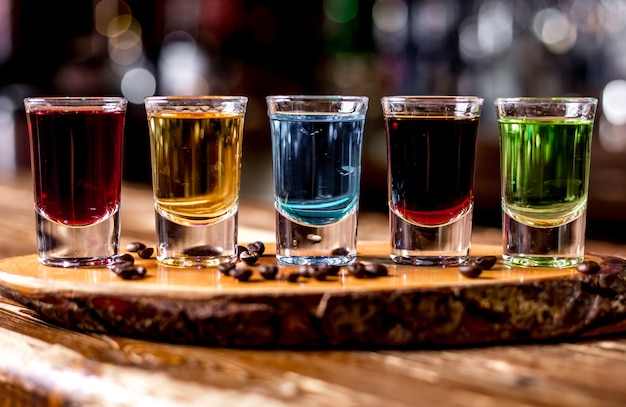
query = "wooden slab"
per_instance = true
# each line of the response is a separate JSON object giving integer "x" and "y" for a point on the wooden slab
{"x": 412, "y": 307}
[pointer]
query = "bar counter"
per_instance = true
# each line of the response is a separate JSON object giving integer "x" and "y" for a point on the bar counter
{"x": 45, "y": 365}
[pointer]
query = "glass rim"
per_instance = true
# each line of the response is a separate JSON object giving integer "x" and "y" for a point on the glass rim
{"x": 80, "y": 100}
{"x": 531, "y": 100}
{"x": 169, "y": 98}
{"x": 430, "y": 99}
{"x": 316, "y": 98}
{"x": 196, "y": 104}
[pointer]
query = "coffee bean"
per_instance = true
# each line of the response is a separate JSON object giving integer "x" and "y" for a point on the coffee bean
{"x": 240, "y": 249}
{"x": 340, "y": 251}
{"x": 485, "y": 262}
{"x": 125, "y": 272}
{"x": 249, "y": 257}
{"x": 145, "y": 253}
{"x": 376, "y": 270}
{"x": 141, "y": 271}
{"x": 588, "y": 267}
{"x": 332, "y": 269}
{"x": 306, "y": 271}
{"x": 257, "y": 247}
{"x": 128, "y": 271}
{"x": 123, "y": 260}
{"x": 203, "y": 250}
{"x": 268, "y": 271}
{"x": 293, "y": 277}
{"x": 135, "y": 246}
{"x": 357, "y": 270}
{"x": 470, "y": 270}
{"x": 369, "y": 270}
{"x": 320, "y": 273}
{"x": 241, "y": 273}
{"x": 225, "y": 268}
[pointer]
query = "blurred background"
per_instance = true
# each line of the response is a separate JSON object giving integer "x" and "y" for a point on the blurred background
{"x": 488, "y": 48}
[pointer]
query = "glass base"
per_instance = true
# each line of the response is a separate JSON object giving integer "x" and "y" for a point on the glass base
{"x": 197, "y": 245}
{"x": 421, "y": 245}
{"x": 556, "y": 247}
{"x": 94, "y": 245}
{"x": 298, "y": 244}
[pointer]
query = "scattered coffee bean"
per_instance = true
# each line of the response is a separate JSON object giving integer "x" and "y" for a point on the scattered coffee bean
{"x": 369, "y": 270}
{"x": 203, "y": 250}
{"x": 332, "y": 269}
{"x": 306, "y": 271}
{"x": 475, "y": 266}
{"x": 376, "y": 270}
{"x": 124, "y": 259}
{"x": 241, "y": 273}
{"x": 268, "y": 271}
{"x": 135, "y": 246}
{"x": 588, "y": 267}
{"x": 225, "y": 268}
{"x": 357, "y": 270}
{"x": 123, "y": 266}
{"x": 340, "y": 251}
{"x": 141, "y": 271}
{"x": 293, "y": 277}
{"x": 145, "y": 253}
{"x": 128, "y": 272}
{"x": 249, "y": 257}
{"x": 241, "y": 249}
{"x": 320, "y": 273}
{"x": 257, "y": 247}
{"x": 485, "y": 262}
{"x": 470, "y": 270}
{"x": 125, "y": 272}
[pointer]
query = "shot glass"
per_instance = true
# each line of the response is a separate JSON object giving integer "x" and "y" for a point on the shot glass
{"x": 76, "y": 161}
{"x": 316, "y": 148}
{"x": 196, "y": 148}
{"x": 431, "y": 148}
{"x": 545, "y": 150}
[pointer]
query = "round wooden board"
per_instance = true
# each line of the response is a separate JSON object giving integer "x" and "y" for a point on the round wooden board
{"x": 412, "y": 307}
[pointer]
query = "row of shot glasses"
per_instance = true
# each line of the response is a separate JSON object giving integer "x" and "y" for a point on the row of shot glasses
{"x": 316, "y": 141}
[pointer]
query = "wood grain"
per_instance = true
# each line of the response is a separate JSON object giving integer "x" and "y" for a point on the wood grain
{"x": 412, "y": 307}
{"x": 47, "y": 365}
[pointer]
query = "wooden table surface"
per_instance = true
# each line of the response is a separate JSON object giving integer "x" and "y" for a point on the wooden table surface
{"x": 42, "y": 364}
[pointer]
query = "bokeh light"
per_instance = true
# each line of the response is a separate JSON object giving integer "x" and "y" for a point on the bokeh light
{"x": 614, "y": 102}
{"x": 433, "y": 20}
{"x": 341, "y": 11}
{"x": 137, "y": 84}
{"x": 555, "y": 30}
{"x": 182, "y": 67}
{"x": 107, "y": 11}
{"x": 390, "y": 16}
{"x": 390, "y": 20}
{"x": 126, "y": 47}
